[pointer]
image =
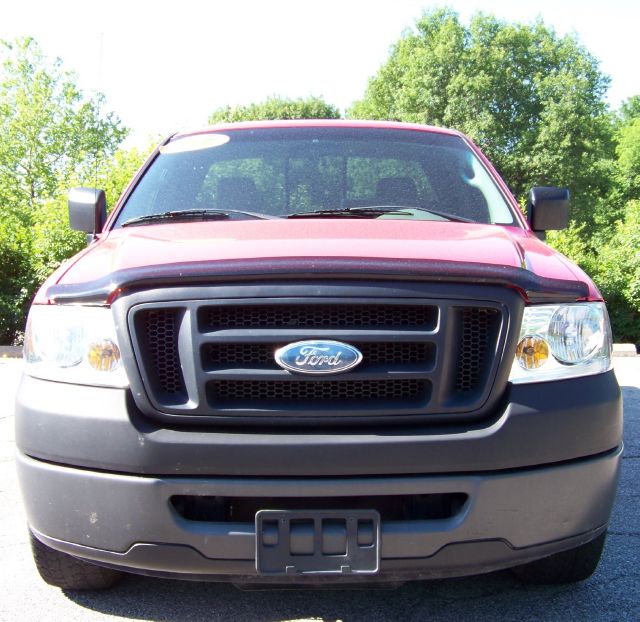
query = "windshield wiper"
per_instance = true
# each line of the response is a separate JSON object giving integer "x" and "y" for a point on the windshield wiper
{"x": 350, "y": 212}
{"x": 374, "y": 211}
{"x": 190, "y": 214}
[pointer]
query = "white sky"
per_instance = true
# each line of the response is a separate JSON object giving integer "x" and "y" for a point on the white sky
{"x": 164, "y": 65}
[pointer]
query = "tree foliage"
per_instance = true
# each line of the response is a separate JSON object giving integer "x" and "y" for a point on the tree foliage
{"x": 50, "y": 130}
{"x": 628, "y": 158}
{"x": 52, "y": 239}
{"x": 116, "y": 173}
{"x": 532, "y": 101}
{"x": 630, "y": 109}
{"x": 618, "y": 273}
{"x": 609, "y": 251}
{"x": 277, "y": 108}
{"x": 15, "y": 276}
{"x": 51, "y": 135}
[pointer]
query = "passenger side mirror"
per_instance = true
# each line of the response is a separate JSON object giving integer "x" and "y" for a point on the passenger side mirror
{"x": 87, "y": 209}
{"x": 548, "y": 208}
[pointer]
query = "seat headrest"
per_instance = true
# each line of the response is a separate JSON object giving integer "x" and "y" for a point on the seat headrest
{"x": 397, "y": 191}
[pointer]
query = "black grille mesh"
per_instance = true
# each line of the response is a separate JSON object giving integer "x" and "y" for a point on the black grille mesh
{"x": 479, "y": 326}
{"x": 399, "y": 353}
{"x": 160, "y": 330}
{"x": 222, "y": 317}
{"x": 219, "y": 355}
{"x": 262, "y": 391}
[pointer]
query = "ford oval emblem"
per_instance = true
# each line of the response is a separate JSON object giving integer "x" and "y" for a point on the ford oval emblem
{"x": 318, "y": 357}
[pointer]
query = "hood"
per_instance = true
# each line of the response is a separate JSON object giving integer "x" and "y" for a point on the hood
{"x": 307, "y": 244}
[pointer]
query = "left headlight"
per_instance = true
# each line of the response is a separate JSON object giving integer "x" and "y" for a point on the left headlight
{"x": 562, "y": 341}
{"x": 73, "y": 344}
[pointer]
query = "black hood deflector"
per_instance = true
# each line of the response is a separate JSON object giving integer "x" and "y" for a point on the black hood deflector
{"x": 102, "y": 291}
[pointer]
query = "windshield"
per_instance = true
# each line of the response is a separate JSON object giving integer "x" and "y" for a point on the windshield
{"x": 332, "y": 171}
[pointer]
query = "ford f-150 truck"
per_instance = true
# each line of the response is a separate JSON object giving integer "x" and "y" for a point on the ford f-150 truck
{"x": 313, "y": 352}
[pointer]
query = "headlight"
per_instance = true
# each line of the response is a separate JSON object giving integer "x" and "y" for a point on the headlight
{"x": 562, "y": 341}
{"x": 73, "y": 344}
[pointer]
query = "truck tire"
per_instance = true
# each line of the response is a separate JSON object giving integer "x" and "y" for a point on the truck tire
{"x": 69, "y": 573}
{"x": 567, "y": 567}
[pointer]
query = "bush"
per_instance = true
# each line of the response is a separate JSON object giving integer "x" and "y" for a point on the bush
{"x": 612, "y": 259}
{"x": 53, "y": 239}
{"x": 16, "y": 279}
{"x": 618, "y": 275}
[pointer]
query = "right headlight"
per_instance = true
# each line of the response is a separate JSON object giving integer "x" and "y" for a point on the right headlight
{"x": 562, "y": 341}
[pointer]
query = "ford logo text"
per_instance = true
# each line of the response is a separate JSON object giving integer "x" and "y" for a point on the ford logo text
{"x": 318, "y": 357}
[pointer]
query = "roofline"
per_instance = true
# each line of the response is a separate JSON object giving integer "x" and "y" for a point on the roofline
{"x": 299, "y": 123}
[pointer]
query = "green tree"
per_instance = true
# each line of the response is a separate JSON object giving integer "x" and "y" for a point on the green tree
{"x": 15, "y": 276}
{"x": 266, "y": 178}
{"x": 617, "y": 273}
{"x": 52, "y": 135}
{"x": 52, "y": 240}
{"x": 630, "y": 109}
{"x": 609, "y": 250}
{"x": 115, "y": 174}
{"x": 533, "y": 101}
{"x": 628, "y": 159}
{"x": 50, "y": 130}
{"x": 277, "y": 108}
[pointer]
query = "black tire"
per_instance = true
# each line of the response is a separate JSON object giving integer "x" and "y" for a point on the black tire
{"x": 567, "y": 567}
{"x": 69, "y": 573}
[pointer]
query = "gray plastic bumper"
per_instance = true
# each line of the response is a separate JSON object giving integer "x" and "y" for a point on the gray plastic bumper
{"x": 102, "y": 429}
{"x": 129, "y": 522}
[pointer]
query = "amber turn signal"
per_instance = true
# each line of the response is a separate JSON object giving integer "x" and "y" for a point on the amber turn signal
{"x": 103, "y": 355}
{"x": 532, "y": 352}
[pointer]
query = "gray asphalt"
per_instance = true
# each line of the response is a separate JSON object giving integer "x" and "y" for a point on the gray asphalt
{"x": 612, "y": 594}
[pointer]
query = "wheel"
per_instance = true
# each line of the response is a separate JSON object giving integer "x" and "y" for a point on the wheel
{"x": 69, "y": 573}
{"x": 567, "y": 567}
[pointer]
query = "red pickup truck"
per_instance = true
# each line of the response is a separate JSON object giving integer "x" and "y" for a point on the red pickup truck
{"x": 313, "y": 352}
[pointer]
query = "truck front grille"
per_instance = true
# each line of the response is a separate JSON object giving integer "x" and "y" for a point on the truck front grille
{"x": 477, "y": 327}
{"x": 160, "y": 336}
{"x": 261, "y": 355}
{"x": 350, "y": 316}
{"x": 366, "y": 393}
{"x": 214, "y": 359}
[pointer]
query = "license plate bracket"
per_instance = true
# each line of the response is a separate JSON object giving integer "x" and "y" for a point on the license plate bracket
{"x": 317, "y": 542}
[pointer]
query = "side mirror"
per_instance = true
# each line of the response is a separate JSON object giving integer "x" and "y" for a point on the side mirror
{"x": 548, "y": 208}
{"x": 87, "y": 209}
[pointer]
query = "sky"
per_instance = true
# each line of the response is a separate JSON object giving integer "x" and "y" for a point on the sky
{"x": 165, "y": 65}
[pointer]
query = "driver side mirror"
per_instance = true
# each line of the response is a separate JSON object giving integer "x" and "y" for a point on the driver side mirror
{"x": 548, "y": 208}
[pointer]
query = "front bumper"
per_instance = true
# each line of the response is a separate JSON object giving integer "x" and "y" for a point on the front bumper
{"x": 102, "y": 429}
{"x": 539, "y": 477}
{"x": 510, "y": 518}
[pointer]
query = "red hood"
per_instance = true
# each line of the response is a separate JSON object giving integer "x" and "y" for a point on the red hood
{"x": 202, "y": 242}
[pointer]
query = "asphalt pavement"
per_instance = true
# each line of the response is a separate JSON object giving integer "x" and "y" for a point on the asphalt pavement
{"x": 612, "y": 594}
